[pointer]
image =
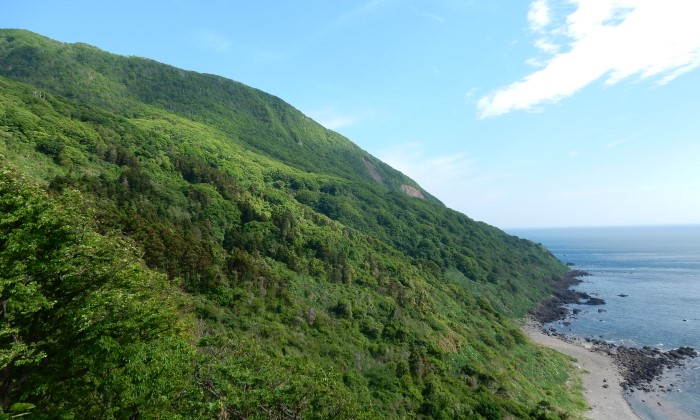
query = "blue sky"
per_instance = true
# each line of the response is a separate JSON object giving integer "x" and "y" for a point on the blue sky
{"x": 519, "y": 114}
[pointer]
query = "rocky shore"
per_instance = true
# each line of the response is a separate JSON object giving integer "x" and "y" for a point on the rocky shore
{"x": 554, "y": 309}
{"x": 639, "y": 367}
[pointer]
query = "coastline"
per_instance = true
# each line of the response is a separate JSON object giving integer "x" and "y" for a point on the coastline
{"x": 602, "y": 378}
{"x": 647, "y": 278}
{"x": 611, "y": 373}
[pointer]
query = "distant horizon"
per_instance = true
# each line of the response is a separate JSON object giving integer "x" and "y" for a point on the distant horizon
{"x": 540, "y": 113}
{"x": 680, "y": 225}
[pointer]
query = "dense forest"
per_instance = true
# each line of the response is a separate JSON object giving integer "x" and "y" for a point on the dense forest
{"x": 174, "y": 244}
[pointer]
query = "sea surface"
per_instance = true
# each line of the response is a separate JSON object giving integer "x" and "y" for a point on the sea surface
{"x": 650, "y": 280}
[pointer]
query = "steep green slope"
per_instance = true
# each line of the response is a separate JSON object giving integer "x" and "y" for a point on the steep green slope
{"x": 305, "y": 265}
{"x": 88, "y": 331}
{"x": 344, "y": 190}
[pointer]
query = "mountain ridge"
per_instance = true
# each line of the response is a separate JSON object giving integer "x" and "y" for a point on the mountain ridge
{"x": 231, "y": 97}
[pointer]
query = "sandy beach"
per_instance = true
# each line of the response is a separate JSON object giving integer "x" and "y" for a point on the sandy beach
{"x": 605, "y": 402}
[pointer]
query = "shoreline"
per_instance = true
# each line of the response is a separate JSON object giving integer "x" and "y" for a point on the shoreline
{"x": 631, "y": 369}
{"x": 602, "y": 378}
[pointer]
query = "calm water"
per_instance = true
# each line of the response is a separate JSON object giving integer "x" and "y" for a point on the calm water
{"x": 658, "y": 268}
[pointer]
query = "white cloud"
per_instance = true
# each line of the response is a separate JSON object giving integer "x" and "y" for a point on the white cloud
{"x": 547, "y": 46}
{"x": 611, "y": 39}
{"x": 538, "y": 15}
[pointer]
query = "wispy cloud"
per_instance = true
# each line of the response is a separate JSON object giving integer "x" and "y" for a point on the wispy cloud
{"x": 441, "y": 175}
{"x": 364, "y": 11}
{"x": 214, "y": 41}
{"x": 538, "y": 15}
{"x": 211, "y": 41}
{"x": 460, "y": 181}
{"x": 611, "y": 39}
{"x": 616, "y": 143}
{"x": 436, "y": 18}
{"x": 469, "y": 95}
{"x": 331, "y": 118}
{"x": 337, "y": 122}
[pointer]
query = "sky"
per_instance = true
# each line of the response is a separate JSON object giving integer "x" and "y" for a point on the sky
{"x": 544, "y": 113}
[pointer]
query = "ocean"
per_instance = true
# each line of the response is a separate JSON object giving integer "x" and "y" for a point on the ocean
{"x": 650, "y": 280}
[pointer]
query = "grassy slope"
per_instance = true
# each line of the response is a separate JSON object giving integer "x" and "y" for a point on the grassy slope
{"x": 283, "y": 239}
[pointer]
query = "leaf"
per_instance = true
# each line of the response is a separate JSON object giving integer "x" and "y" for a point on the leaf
{"x": 18, "y": 407}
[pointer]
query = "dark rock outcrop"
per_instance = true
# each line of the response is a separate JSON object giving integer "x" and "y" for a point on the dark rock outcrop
{"x": 553, "y": 309}
{"x": 640, "y": 367}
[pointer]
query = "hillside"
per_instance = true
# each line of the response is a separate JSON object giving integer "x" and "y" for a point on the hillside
{"x": 308, "y": 280}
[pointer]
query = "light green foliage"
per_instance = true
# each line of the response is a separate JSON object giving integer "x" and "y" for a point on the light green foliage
{"x": 283, "y": 280}
{"x": 240, "y": 379}
{"x": 79, "y": 311}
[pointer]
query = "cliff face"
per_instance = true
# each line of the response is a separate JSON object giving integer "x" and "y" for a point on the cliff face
{"x": 304, "y": 267}
{"x": 413, "y": 192}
